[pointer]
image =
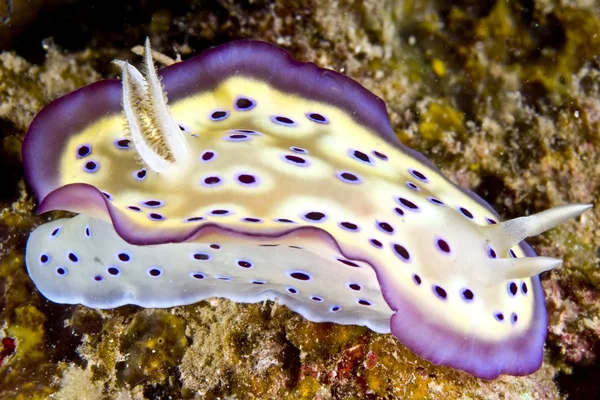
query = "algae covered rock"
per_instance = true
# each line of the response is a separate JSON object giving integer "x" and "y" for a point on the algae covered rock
{"x": 503, "y": 97}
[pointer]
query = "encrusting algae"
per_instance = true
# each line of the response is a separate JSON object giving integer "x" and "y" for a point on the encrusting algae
{"x": 496, "y": 121}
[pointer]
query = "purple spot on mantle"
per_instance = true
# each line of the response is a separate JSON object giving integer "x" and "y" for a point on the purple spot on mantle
{"x": 318, "y": 118}
{"x": 379, "y": 155}
{"x": 184, "y": 127}
{"x": 245, "y": 264}
{"x": 73, "y": 257}
{"x": 420, "y": 176}
{"x": 409, "y": 205}
{"x": 140, "y": 175}
{"x": 246, "y": 131}
{"x": 284, "y": 221}
{"x": 197, "y": 275}
{"x": 435, "y": 201}
{"x": 281, "y": 120}
{"x": 440, "y": 292}
{"x": 83, "y": 151}
{"x": 413, "y": 186}
{"x": 314, "y": 216}
{"x": 152, "y": 203}
{"x": 349, "y": 226}
{"x": 247, "y": 180}
{"x": 298, "y": 150}
{"x": 211, "y": 181}
{"x": 401, "y": 252}
{"x": 299, "y": 275}
{"x": 442, "y": 245}
{"x": 467, "y": 295}
{"x": 399, "y": 211}
{"x": 360, "y": 156}
{"x": 252, "y": 220}
{"x": 349, "y": 177}
{"x": 237, "y": 137}
{"x": 218, "y": 115}
{"x": 295, "y": 160}
{"x": 243, "y": 103}
{"x": 385, "y": 227}
{"x": 122, "y": 144}
{"x": 200, "y": 256}
{"x": 208, "y": 155}
{"x": 491, "y": 252}
{"x": 156, "y": 217}
{"x": 124, "y": 257}
{"x": 220, "y": 212}
{"x": 466, "y": 212}
{"x": 91, "y": 166}
{"x": 376, "y": 243}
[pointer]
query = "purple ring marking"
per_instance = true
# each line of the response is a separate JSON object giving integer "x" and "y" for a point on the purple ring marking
{"x": 317, "y": 117}
{"x": 140, "y": 175}
{"x": 122, "y": 144}
{"x": 243, "y": 103}
{"x": 91, "y": 166}
{"x": 83, "y": 151}
{"x": 295, "y": 160}
{"x": 208, "y": 155}
{"x": 218, "y": 115}
{"x": 283, "y": 121}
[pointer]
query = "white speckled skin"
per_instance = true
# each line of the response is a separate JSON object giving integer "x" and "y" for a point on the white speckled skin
{"x": 205, "y": 267}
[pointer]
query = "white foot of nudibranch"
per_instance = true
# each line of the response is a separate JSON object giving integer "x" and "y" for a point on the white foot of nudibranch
{"x": 156, "y": 137}
{"x": 509, "y": 233}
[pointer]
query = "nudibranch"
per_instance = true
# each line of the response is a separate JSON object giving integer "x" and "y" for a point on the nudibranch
{"x": 262, "y": 178}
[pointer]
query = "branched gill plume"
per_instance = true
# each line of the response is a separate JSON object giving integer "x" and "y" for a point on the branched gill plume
{"x": 144, "y": 107}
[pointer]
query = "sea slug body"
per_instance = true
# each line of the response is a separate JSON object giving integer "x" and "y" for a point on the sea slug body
{"x": 262, "y": 178}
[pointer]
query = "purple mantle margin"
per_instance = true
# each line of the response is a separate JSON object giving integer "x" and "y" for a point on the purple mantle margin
{"x": 67, "y": 115}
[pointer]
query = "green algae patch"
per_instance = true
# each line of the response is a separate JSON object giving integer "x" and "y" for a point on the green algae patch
{"x": 308, "y": 388}
{"x": 154, "y": 343}
{"x": 28, "y": 372}
{"x": 439, "y": 120}
{"x": 28, "y": 327}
